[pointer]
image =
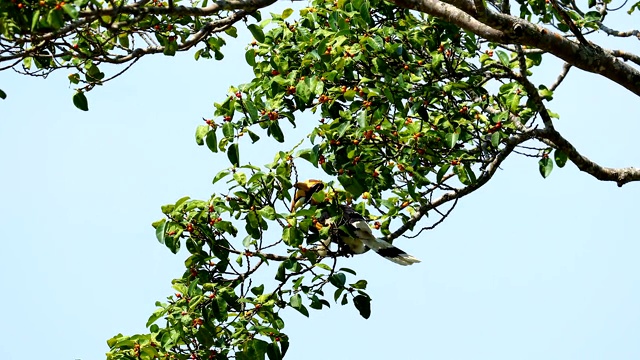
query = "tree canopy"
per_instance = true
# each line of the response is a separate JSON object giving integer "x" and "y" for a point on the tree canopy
{"x": 418, "y": 103}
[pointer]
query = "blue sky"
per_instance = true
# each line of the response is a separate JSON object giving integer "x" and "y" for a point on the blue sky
{"x": 525, "y": 268}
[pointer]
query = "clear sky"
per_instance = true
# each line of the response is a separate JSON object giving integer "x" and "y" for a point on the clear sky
{"x": 525, "y": 268}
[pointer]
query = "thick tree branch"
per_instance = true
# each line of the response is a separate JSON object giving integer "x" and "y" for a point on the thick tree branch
{"x": 240, "y": 9}
{"x": 507, "y": 29}
{"x": 217, "y": 6}
{"x": 455, "y": 16}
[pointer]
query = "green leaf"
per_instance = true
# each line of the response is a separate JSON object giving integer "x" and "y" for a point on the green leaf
{"x": 34, "y": 19}
{"x": 170, "y": 48}
{"x": 232, "y": 31}
{"x": 545, "y": 93}
{"x": 257, "y": 33}
{"x": 54, "y": 18}
{"x": 545, "y": 166}
{"x": 514, "y": 102}
{"x": 276, "y": 131}
{"x": 123, "y": 39}
{"x": 286, "y": 13}
{"x": 351, "y": 185}
{"x": 364, "y": 13}
{"x": 273, "y": 352}
{"x": 363, "y": 304}
{"x": 254, "y": 137}
{"x": 201, "y": 132}
{"x": 296, "y": 303}
{"x": 70, "y": 10}
{"x": 219, "y": 308}
{"x": 220, "y": 175}
{"x": 303, "y": 90}
{"x": 3, "y": 95}
{"x": 256, "y": 349}
{"x": 311, "y": 155}
{"x": 347, "y": 270}
{"x": 227, "y": 130}
{"x": 338, "y": 280}
{"x": 323, "y": 266}
{"x": 442, "y": 172}
{"x": 80, "y": 101}
{"x": 161, "y": 231}
{"x": 495, "y": 139}
{"x": 560, "y": 157}
{"x": 239, "y": 259}
{"x": 267, "y": 212}
{"x": 247, "y": 241}
{"x": 233, "y": 153}
{"x": 212, "y": 141}
{"x": 250, "y": 57}
{"x": 462, "y": 174}
{"x": 258, "y": 290}
{"x": 291, "y": 236}
{"x": 451, "y": 139}
{"x": 73, "y": 78}
{"x": 470, "y": 174}
{"x": 504, "y": 58}
{"x": 345, "y": 300}
{"x": 240, "y": 178}
{"x": 280, "y": 274}
{"x": 155, "y": 316}
{"x": 349, "y": 95}
{"x": 592, "y": 16}
{"x": 360, "y": 284}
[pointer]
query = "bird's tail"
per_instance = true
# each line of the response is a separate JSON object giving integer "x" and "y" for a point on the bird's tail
{"x": 389, "y": 252}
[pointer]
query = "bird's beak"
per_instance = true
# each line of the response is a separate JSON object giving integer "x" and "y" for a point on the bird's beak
{"x": 304, "y": 192}
{"x": 298, "y": 200}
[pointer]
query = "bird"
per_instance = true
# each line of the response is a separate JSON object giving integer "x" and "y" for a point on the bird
{"x": 358, "y": 237}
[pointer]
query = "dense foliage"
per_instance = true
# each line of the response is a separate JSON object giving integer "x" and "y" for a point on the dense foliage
{"x": 414, "y": 111}
{"x": 405, "y": 123}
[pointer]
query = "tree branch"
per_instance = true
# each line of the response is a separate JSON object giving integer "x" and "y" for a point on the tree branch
{"x": 565, "y": 70}
{"x": 621, "y": 176}
{"x": 491, "y": 169}
{"x": 507, "y": 29}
